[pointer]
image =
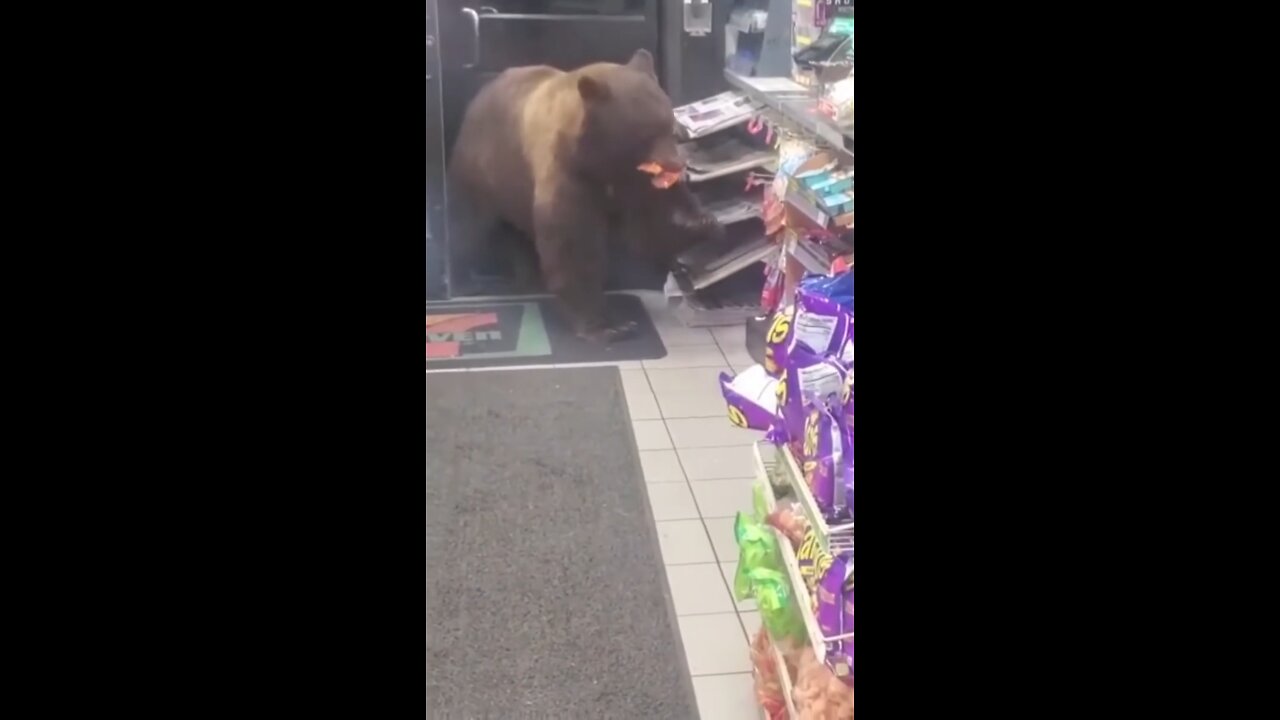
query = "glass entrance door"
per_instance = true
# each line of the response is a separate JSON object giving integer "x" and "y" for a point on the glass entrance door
{"x": 437, "y": 248}
{"x": 477, "y": 41}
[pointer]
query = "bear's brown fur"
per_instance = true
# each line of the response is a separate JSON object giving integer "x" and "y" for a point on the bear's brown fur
{"x": 555, "y": 155}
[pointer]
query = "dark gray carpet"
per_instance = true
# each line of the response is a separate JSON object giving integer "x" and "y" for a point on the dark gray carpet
{"x": 546, "y": 595}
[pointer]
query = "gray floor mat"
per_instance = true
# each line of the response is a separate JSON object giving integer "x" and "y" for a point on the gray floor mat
{"x": 546, "y": 593}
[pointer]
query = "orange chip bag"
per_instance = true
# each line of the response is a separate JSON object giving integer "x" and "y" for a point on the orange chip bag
{"x": 662, "y": 179}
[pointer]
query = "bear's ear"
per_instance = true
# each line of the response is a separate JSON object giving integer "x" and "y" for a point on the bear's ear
{"x": 642, "y": 61}
{"x": 592, "y": 90}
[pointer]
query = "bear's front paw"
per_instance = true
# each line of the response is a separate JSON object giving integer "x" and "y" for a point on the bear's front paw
{"x": 612, "y": 333}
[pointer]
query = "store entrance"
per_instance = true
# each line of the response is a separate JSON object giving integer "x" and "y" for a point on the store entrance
{"x": 476, "y": 42}
{"x": 436, "y": 248}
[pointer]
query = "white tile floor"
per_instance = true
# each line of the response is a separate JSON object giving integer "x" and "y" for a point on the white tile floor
{"x": 698, "y": 469}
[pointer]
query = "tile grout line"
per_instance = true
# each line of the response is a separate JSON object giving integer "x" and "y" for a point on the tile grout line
{"x": 713, "y": 447}
{"x": 707, "y": 531}
{"x": 657, "y": 404}
{"x": 652, "y": 394}
{"x": 718, "y": 561}
{"x": 725, "y": 581}
{"x": 709, "y": 614}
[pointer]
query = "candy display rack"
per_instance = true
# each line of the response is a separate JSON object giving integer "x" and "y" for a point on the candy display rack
{"x": 794, "y": 106}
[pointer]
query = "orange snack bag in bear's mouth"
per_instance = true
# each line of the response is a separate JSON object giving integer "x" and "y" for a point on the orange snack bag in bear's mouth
{"x": 662, "y": 179}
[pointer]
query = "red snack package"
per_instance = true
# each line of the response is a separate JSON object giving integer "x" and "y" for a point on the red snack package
{"x": 818, "y": 693}
{"x": 768, "y": 681}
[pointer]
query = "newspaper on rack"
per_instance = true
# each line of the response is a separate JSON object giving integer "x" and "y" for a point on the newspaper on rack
{"x": 715, "y": 113}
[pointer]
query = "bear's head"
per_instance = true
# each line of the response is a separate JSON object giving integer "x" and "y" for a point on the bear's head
{"x": 627, "y": 118}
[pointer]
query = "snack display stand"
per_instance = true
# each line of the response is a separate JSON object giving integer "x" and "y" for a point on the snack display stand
{"x": 797, "y": 544}
{"x": 800, "y": 571}
{"x": 778, "y": 482}
{"x": 830, "y": 536}
{"x": 767, "y": 476}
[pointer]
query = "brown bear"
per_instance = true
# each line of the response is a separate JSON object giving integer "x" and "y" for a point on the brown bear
{"x": 557, "y": 155}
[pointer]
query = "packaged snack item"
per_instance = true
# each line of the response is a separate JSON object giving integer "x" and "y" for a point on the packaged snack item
{"x": 769, "y": 672}
{"x": 837, "y": 287}
{"x": 840, "y": 661}
{"x": 790, "y": 522}
{"x": 835, "y": 615}
{"x": 768, "y": 678}
{"x": 757, "y": 549}
{"x": 847, "y": 607}
{"x": 813, "y": 561}
{"x": 761, "y": 576}
{"x": 845, "y": 663}
{"x": 771, "y": 292}
{"x": 843, "y": 502}
{"x": 830, "y": 595}
{"x": 846, "y": 352}
{"x": 777, "y": 340}
{"x": 846, "y": 400}
{"x": 820, "y": 325}
{"x": 846, "y": 646}
{"x": 752, "y": 397}
{"x": 662, "y": 178}
{"x": 807, "y": 379}
{"x": 771, "y": 589}
{"x": 843, "y": 509}
{"x": 818, "y": 693}
{"x": 821, "y": 458}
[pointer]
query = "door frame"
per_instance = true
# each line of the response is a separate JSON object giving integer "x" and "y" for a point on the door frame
{"x": 439, "y": 260}
{"x": 436, "y": 248}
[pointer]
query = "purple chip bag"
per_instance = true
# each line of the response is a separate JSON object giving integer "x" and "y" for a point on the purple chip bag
{"x": 842, "y": 503}
{"x": 846, "y": 624}
{"x": 846, "y": 400}
{"x": 846, "y": 350}
{"x": 840, "y": 660}
{"x": 820, "y": 325}
{"x": 813, "y": 561}
{"x": 846, "y": 488}
{"x": 808, "y": 380}
{"x": 837, "y": 622}
{"x": 830, "y": 592}
{"x": 846, "y": 413}
{"x": 776, "y": 433}
{"x": 820, "y": 457}
{"x": 784, "y": 420}
{"x": 777, "y": 341}
{"x": 752, "y": 398}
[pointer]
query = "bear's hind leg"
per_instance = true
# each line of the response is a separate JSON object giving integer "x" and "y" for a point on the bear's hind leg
{"x": 526, "y": 279}
{"x": 570, "y": 236}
